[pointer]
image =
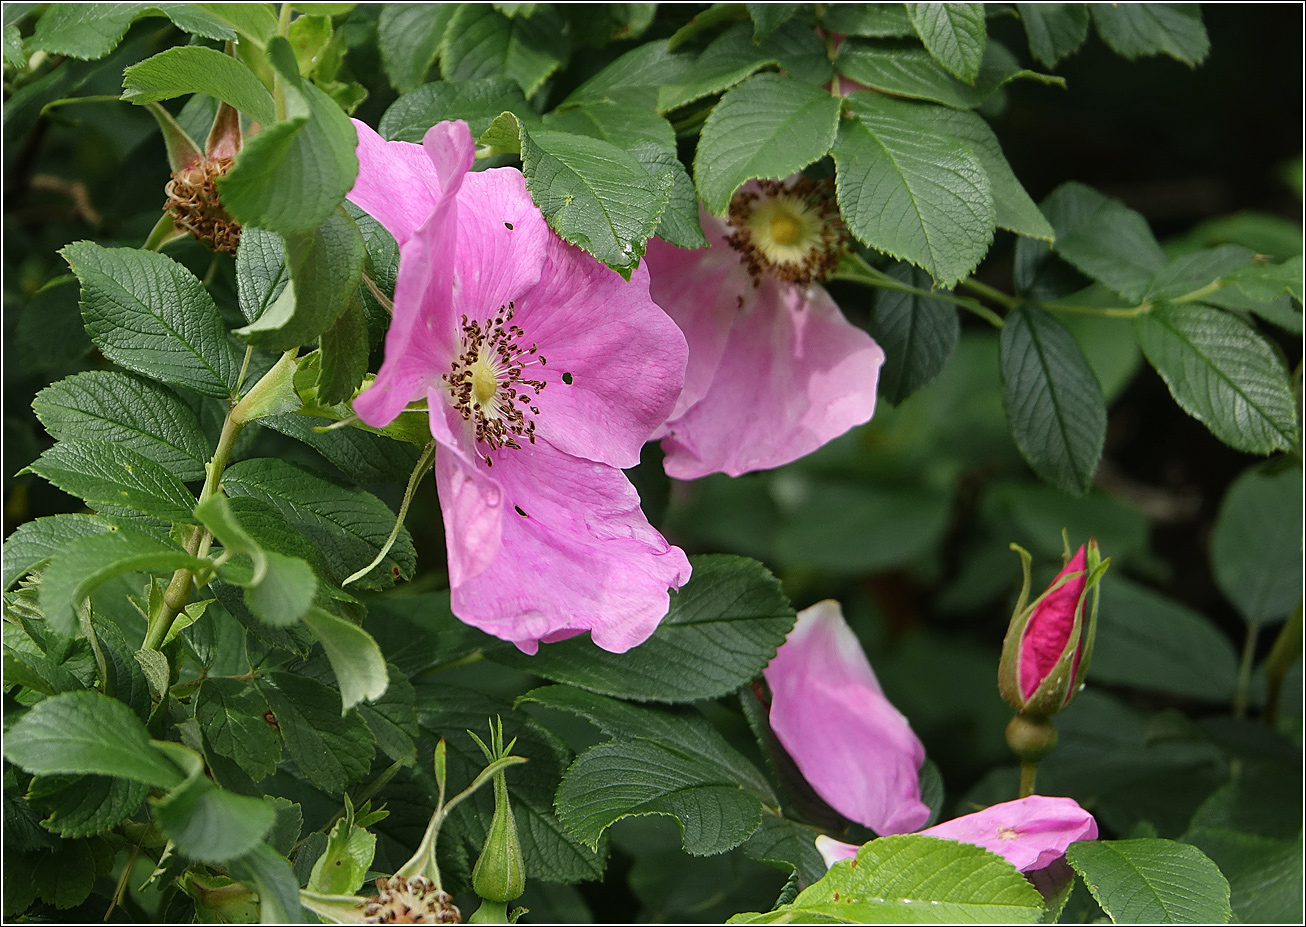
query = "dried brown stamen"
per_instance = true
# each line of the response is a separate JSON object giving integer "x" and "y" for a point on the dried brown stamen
{"x": 195, "y": 206}
{"x": 410, "y": 901}
{"x": 790, "y": 231}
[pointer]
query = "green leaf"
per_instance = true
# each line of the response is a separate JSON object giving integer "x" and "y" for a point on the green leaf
{"x": 1054, "y": 404}
{"x": 680, "y": 224}
{"x": 890, "y": 68}
{"x": 344, "y": 355}
{"x": 913, "y": 879}
{"x": 34, "y": 542}
{"x": 103, "y": 405}
{"x": 409, "y": 36}
{"x": 1138, "y": 29}
{"x": 80, "y": 806}
{"x": 355, "y": 658}
{"x": 1190, "y": 273}
{"x": 124, "y": 678}
{"x": 362, "y": 456}
{"x": 635, "y": 777}
{"x": 269, "y": 874}
{"x": 85, "y": 732}
{"x": 231, "y": 717}
{"x": 342, "y": 867}
{"x": 348, "y": 525}
{"x": 871, "y": 20}
{"x": 205, "y": 821}
{"x": 1054, "y": 30}
{"x": 789, "y": 845}
{"x": 1256, "y": 544}
{"x": 476, "y": 102}
{"x": 252, "y": 20}
{"x": 280, "y": 589}
{"x": 1104, "y": 239}
{"x": 92, "y": 30}
{"x": 1265, "y": 282}
{"x": 292, "y": 175}
{"x": 953, "y": 33}
{"x": 1152, "y": 881}
{"x": 14, "y": 56}
{"x": 65, "y": 877}
{"x": 916, "y": 195}
{"x": 87, "y": 562}
{"x": 733, "y": 56}
{"x": 1222, "y": 373}
{"x": 595, "y": 195}
{"x": 261, "y": 271}
{"x": 771, "y": 126}
{"x": 196, "y": 69}
{"x": 325, "y": 266}
{"x": 918, "y": 334}
{"x": 768, "y": 17}
{"x": 103, "y": 473}
{"x": 635, "y": 78}
{"x": 722, "y": 628}
{"x": 1150, "y": 642}
{"x": 392, "y": 717}
{"x": 482, "y": 42}
{"x": 331, "y": 750}
{"x": 149, "y": 314}
{"x": 1265, "y": 876}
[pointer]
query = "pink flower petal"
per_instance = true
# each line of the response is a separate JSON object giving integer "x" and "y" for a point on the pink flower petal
{"x": 614, "y": 358}
{"x": 577, "y": 554}
{"x": 1050, "y": 627}
{"x": 832, "y": 850}
{"x": 471, "y": 500}
{"x": 385, "y": 169}
{"x": 503, "y": 242}
{"x": 852, "y": 746}
{"x": 1029, "y": 833}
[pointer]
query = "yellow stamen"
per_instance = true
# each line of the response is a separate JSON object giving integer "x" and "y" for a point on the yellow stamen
{"x": 484, "y": 382}
{"x": 785, "y": 229}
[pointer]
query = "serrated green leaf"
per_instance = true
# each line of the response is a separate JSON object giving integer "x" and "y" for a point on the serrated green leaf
{"x": 124, "y": 679}
{"x": 331, "y": 749}
{"x": 355, "y": 658}
{"x": 344, "y": 355}
{"x": 914, "y": 879}
{"x": 890, "y": 68}
{"x": 361, "y": 455}
{"x": 1054, "y": 30}
{"x": 88, "y": 562}
{"x": 953, "y": 33}
{"x": 482, "y": 42}
{"x": 680, "y": 223}
{"x": 476, "y": 102}
{"x": 409, "y": 36}
{"x": 196, "y": 69}
{"x": 634, "y": 78}
{"x": 787, "y": 843}
{"x": 149, "y": 314}
{"x": 280, "y": 589}
{"x": 103, "y": 405}
{"x": 1104, "y": 239}
{"x": 79, "y": 806}
{"x": 916, "y": 195}
{"x": 65, "y": 877}
{"x": 870, "y": 20}
{"x": 1152, "y": 881}
{"x": 103, "y": 473}
{"x": 92, "y": 30}
{"x": 292, "y": 175}
{"x": 635, "y": 777}
{"x": 594, "y": 194}
{"x": 14, "y": 56}
{"x": 1053, "y": 401}
{"x": 1222, "y": 373}
{"x": 1135, "y": 30}
{"x": 768, "y": 17}
{"x": 255, "y": 21}
{"x": 261, "y": 271}
{"x": 1147, "y": 641}
{"x": 206, "y": 822}
{"x": 1189, "y": 273}
{"x": 722, "y": 628}
{"x": 348, "y": 525}
{"x": 1256, "y": 544}
{"x": 85, "y": 732}
{"x": 1265, "y": 876}
{"x": 33, "y": 543}
{"x": 231, "y": 717}
{"x": 770, "y": 126}
{"x": 1264, "y": 282}
{"x": 918, "y": 334}
{"x": 392, "y": 717}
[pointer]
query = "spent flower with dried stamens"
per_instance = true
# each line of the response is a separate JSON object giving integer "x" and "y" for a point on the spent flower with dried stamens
{"x": 413, "y": 900}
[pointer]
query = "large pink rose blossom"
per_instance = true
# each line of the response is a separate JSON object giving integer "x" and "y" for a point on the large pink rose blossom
{"x": 544, "y": 373}
{"x": 775, "y": 370}
{"x": 1030, "y": 833}
{"x": 829, "y": 713}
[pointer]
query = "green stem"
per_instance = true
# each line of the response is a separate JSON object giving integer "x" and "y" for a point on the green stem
{"x": 1285, "y": 652}
{"x": 419, "y": 471}
{"x": 1028, "y": 770}
{"x": 278, "y": 82}
{"x": 1109, "y": 313}
{"x": 855, "y": 270}
{"x": 1245, "y": 671}
{"x": 983, "y": 289}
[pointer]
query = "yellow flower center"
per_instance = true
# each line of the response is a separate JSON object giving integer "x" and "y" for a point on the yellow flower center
{"x": 790, "y": 231}
{"x": 484, "y": 382}
{"x": 785, "y": 229}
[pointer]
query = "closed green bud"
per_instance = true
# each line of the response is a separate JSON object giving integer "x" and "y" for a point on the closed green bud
{"x": 500, "y": 873}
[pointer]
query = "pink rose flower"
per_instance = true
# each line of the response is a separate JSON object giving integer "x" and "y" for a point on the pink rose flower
{"x": 544, "y": 373}
{"x": 775, "y": 370}
{"x": 1030, "y": 833}
{"x": 1050, "y": 627}
{"x": 829, "y": 713}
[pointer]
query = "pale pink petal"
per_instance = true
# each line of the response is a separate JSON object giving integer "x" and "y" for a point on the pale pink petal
{"x": 577, "y": 554}
{"x": 471, "y": 500}
{"x": 502, "y": 242}
{"x": 615, "y": 361}
{"x": 397, "y": 184}
{"x": 1050, "y": 627}
{"x": 832, "y": 850}
{"x": 852, "y": 746}
{"x": 1029, "y": 833}
{"x": 794, "y": 375}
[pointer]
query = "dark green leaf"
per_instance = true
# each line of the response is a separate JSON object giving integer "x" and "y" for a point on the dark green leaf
{"x": 1265, "y": 876}
{"x": 231, "y": 716}
{"x": 355, "y": 658}
{"x": 104, "y": 473}
{"x": 102, "y": 405}
{"x": 476, "y": 102}
{"x": 269, "y": 874}
{"x": 1053, "y": 401}
{"x": 124, "y": 678}
{"x": 1222, "y": 373}
{"x": 331, "y": 750}
{"x": 634, "y": 78}
{"x": 92, "y": 30}
{"x": 360, "y": 455}
{"x": 392, "y": 718}
{"x": 409, "y": 36}
{"x": 208, "y": 823}
{"x": 1200, "y": 270}
{"x": 918, "y": 334}
{"x": 150, "y": 314}
{"x": 79, "y": 806}
{"x": 482, "y": 42}
{"x": 196, "y": 69}
{"x": 33, "y": 543}
{"x": 953, "y": 33}
{"x": 1152, "y": 881}
{"x": 1054, "y": 30}
{"x": 916, "y": 195}
{"x": 344, "y": 355}
{"x": 261, "y": 271}
{"x": 788, "y": 844}
{"x": 1103, "y": 238}
{"x": 871, "y": 20}
{"x": 771, "y": 126}
{"x": 1256, "y": 544}
{"x": 768, "y": 17}
{"x": 1138, "y": 29}
{"x": 721, "y": 630}
{"x": 65, "y": 877}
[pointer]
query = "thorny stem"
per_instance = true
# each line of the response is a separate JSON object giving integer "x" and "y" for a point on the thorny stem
{"x": 1245, "y": 671}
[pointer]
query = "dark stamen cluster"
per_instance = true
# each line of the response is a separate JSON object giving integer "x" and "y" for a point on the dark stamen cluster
{"x": 821, "y": 260}
{"x": 410, "y": 901}
{"x": 195, "y": 207}
{"x": 501, "y": 421}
